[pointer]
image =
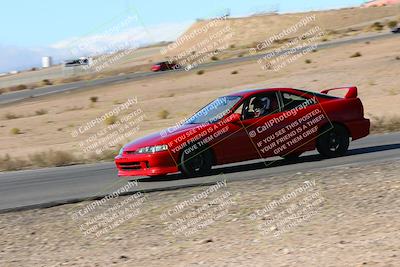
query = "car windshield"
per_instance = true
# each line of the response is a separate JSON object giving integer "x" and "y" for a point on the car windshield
{"x": 214, "y": 111}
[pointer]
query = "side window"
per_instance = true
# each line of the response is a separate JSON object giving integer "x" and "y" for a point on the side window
{"x": 291, "y": 101}
{"x": 239, "y": 110}
{"x": 260, "y": 105}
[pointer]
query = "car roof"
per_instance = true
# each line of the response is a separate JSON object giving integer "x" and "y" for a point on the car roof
{"x": 249, "y": 92}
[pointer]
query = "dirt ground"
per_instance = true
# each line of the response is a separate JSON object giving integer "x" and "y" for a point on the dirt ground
{"x": 345, "y": 216}
{"x": 168, "y": 99}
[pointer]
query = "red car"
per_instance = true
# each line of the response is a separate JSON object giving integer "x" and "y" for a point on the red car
{"x": 163, "y": 66}
{"x": 249, "y": 125}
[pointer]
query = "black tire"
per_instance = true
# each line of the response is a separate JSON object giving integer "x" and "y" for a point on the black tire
{"x": 196, "y": 162}
{"x": 292, "y": 156}
{"x": 333, "y": 143}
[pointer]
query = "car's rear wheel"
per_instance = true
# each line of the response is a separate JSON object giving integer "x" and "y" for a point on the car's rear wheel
{"x": 196, "y": 162}
{"x": 334, "y": 142}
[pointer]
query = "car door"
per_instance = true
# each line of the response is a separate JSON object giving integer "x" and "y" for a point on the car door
{"x": 303, "y": 116}
{"x": 262, "y": 129}
{"x": 234, "y": 144}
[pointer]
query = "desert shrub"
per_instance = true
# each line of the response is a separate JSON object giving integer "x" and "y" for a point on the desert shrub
{"x": 214, "y": 58}
{"x": 397, "y": 58}
{"x": 15, "y": 131}
{"x": 71, "y": 79}
{"x": 232, "y": 46}
{"x": 17, "y": 88}
{"x": 106, "y": 155}
{"x": 40, "y": 112}
{"x": 324, "y": 39}
{"x": 240, "y": 55}
{"x": 234, "y": 72}
{"x": 52, "y": 158}
{"x": 308, "y": 61}
{"x": 200, "y": 72}
{"x": 110, "y": 120}
{"x": 11, "y": 116}
{"x": 385, "y": 124}
{"x": 94, "y": 99}
{"x": 357, "y": 54}
{"x": 46, "y": 82}
{"x": 377, "y": 26}
{"x": 9, "y": 164}
{"x": 392, "y": 24}
{"x": 163, "y": 114}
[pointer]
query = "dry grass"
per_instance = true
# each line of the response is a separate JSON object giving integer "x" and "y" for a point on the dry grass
{"x": 52, "y": 158}
{"x": 40, "y": 112}
{"x": 357, "y": 54}
{"x": 107, "y": 155}
{"x": 15, "y": 131}
{"x": 392, "y": 24}
{"x": 46, "y": 82}
{"x": 111, "y": 120}
{"x": 9, "y": 164}
{"x": 377, "y": 26}
{"x": 163, "y": 114}
{"x": 11, "y": 116}
{"x": 385, "y": 124}
{"x": 17, "y": 88}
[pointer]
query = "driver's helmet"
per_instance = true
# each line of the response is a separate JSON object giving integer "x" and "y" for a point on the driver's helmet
{"x": 261, "y": 106}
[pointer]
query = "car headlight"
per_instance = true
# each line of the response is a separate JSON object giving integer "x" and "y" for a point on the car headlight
{"x": 121, "y": 151}
{"x": 151, "y": 149}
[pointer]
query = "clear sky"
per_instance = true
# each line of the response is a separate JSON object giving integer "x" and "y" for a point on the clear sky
{"x": 43, "y": 22}
{"x": 33, "y": 25}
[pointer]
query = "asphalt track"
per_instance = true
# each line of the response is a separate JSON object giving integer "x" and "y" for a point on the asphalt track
{"x": 82, "y": 85}
{"x": 53, "y": 186}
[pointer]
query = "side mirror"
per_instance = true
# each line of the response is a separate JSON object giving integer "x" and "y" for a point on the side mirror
{"x": 234, "y": 118}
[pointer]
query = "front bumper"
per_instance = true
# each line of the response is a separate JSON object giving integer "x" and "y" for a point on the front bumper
{"x": 159, "y": 163}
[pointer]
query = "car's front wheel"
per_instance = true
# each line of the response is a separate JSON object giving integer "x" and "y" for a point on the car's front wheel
{"x": 195, "y": 162}
{"x": 333, "y": 142}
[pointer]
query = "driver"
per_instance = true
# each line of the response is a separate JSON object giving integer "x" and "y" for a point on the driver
{"x": 261, "y": 106}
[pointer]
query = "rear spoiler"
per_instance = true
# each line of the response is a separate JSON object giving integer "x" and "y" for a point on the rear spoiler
{"x": 352, "y": 91}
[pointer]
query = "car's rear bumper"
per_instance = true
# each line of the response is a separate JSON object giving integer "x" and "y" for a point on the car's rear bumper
{"x": 160, "y": 163}
{"x": 359, "y": 128}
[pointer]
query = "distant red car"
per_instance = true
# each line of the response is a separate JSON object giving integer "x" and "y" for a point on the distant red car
{"x": 249, "y": 125}
{"x": 165, "y": 65}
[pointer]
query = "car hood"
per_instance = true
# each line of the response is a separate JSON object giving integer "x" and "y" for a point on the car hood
{"x": 159, "y": 138}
